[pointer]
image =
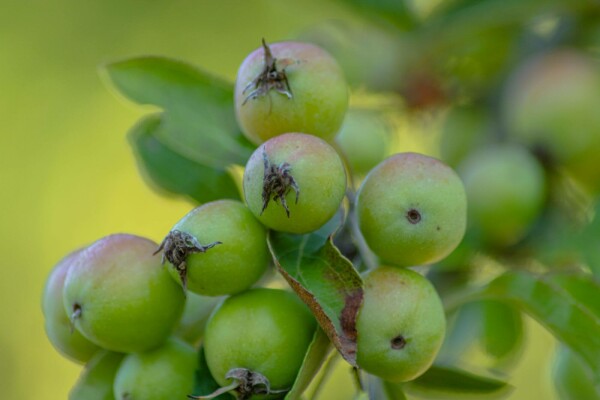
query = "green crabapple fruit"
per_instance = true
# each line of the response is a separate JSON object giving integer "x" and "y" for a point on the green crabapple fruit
{"x": 505, "y": 191}
{"x": 294, "y": 183}
{"x": 120, "y": 297}
{"x": 265, "y": 332}
{"x": 401, "y": 324}
{"x": 412, "y": 209}
{"x": 551, "y": 104}
{"x": 216, "y": 249}
{"x": 363, "y": 139}
{"x": 97, "y": 379}
{"x": 69, "y": 342}
{"x": 290, "y": 87}
{"x": 166, "y": 372}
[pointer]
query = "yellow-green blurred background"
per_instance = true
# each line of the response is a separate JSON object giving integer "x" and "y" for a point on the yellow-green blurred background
{"x": 67, "y": 173}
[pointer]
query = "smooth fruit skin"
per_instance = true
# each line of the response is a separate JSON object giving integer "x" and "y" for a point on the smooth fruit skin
{"x": 264, "y": 330}
{"x": 161, "y": 374}
{"x": 318, "y": 172}
{"x": 97, "y": 379}
{"x": 505, "y": 190}
{"x": 412, "y": 209}
{"x": 70, "y": 343}
{"x": 363, "y": 139}
{"x": 320, "y": 94}
{"x": 551, "y": 103}
{"x": 128, "y": 301}
{"x": 399, "y": 303}
{"x": 232, "y": 266}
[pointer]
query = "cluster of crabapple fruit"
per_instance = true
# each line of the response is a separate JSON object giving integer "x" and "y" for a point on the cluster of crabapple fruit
{"x": 118, "y": 303}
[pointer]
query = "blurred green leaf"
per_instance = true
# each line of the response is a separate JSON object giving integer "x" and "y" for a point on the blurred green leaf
{"x": 571, "y": 377}
{"x": 173, "y": 171}
{"x": 445, "y": 379}
{"x": 198, "y": 121}
{"x": 96, "y": 380}
{"x": 502, "y": 330}
{"x": 463, "y": 330}
{"x": 397, "y": 12}
{"x": 318, "y": 351}
{"x": 204, "y": 383}
{"x": 567, "y": 305}
{"x": 589, "y": 242}
{"x": 324, "y": 279}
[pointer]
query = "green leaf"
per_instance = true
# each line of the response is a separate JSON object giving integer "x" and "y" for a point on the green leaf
{"x": 588, "y": 242}
{"x": 446, "y": 379}
{"x": 204, "y": 383}
{"x": 566, "y": 304}
{"x": 317, "y": 353}
{"x": 324, "y": 279}
{"x": 571, "y": 377}
{"x": 395, "y": 11}
{"x": 198, "y": 121}
{"x": 96, "y": 380}
{"x": 502, "y": 330}
{"x": 463, "y": 330}
{"x": 174, "y": 172}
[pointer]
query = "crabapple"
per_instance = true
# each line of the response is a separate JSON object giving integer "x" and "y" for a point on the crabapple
{"x": 551, "y": 105}
{"x": 505, "y": 192}
{"x": 363, "y": 139}
{"x": 218, "y": 248}
{"x": 263, "y": 331}
{"x": 401, "y": 324}
{"x": 166, "y": 372}
{"x": 69, "y": 342}
{"x": 412, "y": 209}
{"x": 290, "y": 87}
{"x": 97, "y": 379}
{"x": 294, "y": 183}
{"x": 120, "y": 297}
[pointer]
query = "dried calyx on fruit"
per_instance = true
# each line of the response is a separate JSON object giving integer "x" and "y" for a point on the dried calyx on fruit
{"x": 270, "y": 78}
{"x": 176, "y": 248}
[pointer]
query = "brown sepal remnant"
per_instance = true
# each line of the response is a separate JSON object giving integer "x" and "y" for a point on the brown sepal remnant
{"x": 277, "y": 183}
{"x": 246, "y": 383}
{"x": 270, "y": 78}
{"x": 176, "y": 247}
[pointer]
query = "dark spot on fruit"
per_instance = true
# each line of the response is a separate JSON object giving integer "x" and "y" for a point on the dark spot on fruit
{"x": 75, "y": 315}
{"x": 413, "y": 216}
{"x": 398, "y": 342}
{"x": 438, "y": 228}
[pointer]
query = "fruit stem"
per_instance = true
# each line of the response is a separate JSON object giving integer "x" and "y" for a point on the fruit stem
{"x": 357, "y": 379}
{"x": 234, "y": 385}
